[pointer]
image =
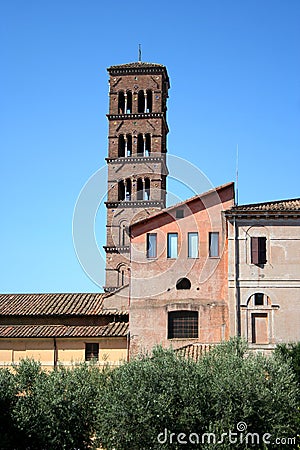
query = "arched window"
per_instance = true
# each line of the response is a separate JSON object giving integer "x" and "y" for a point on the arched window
{"x": 123, "y": 233}
{"x": 128, "y": 189}
{"x": 147, "y": 145}
{"x": 183, "y": 283}
{"x": 140, "y": 145}
{"x": 147, "y": 189}
{"x": 140, "y": 189}
{"x": 182, "y": 324}
{"x": 121, "y": 190}
{"x": 129, "y": 103}
{"x": 141, "y": 102}
{"x": 149, "y": 101}
{"x": 129, "y": 145}
{"x": 121, "y": 103}
{"x": 122, "y": 275}
{"x": 121, "y": 146}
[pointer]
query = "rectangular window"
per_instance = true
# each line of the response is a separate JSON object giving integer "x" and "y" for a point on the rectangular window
{"x": 172, "y": 250}
{"x": 179, "y": 213}
{"x": 214, "y": 244}
{"x": 151, "y": 245}
{"x": 193, "y": 245}
{"x": 182, "y": 324}
{"x": 91, "y": 351}
{"x": 258, "y": 250}
{"x": 258, "y": 299}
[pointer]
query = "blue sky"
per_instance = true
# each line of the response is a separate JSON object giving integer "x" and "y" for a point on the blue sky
{"x": 234, "y": 68}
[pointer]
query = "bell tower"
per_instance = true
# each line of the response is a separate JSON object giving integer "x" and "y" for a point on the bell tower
{"x": 137, "y": 146}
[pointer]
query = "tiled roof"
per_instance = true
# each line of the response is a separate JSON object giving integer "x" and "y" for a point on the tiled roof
{"x": 135, "y": 65}
{"x": 113, "y": 329}
{"x": 193, "y": 351}
{"x": 290, "y": 205}
{"x": 53, "y": 304}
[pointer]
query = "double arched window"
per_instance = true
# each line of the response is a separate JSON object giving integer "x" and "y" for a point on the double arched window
{"x": 124, "y": 190}
{"x": 124, "y": 145}
{"x": 143, "y": 189}
{"x": 143, "y": 144}
{"x": 145, "y": 101}
{"x": 125, "y": 102}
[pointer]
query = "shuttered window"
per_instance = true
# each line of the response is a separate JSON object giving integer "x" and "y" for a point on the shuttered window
{"x": 258, "y": 250}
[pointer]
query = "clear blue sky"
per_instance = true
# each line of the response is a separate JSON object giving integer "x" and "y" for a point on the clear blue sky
{"x": 234, "y": 68}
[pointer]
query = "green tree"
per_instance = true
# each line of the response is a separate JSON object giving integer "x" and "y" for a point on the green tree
{"x": 8, "y": 399}
{"x": 56, "y": 410}
{"x": 291, "y": 354}
{"x": 149, "y": 395}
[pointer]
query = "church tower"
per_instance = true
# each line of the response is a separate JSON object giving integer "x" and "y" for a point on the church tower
{"x": 137, "y": 146}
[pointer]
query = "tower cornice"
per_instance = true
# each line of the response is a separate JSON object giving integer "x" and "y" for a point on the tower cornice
{"x": 154, "y": 115}
{"x": 139, "y": 68}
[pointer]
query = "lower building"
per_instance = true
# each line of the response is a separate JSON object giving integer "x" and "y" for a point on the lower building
{"x": 61, "y": 329}
{"x": 263, "y": 272}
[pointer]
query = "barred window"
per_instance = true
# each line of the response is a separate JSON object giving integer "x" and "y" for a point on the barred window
{"x": 91, "y": 351}
{"x": 182, "y": 324}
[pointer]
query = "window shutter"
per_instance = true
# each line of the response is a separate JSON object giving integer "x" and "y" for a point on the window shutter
{"x": 254, "y": 250}
{"x": 262, "y": 250}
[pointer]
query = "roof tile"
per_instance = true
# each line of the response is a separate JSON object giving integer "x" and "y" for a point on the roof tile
{"x": 53, "y": 304}
{"x": 193, "y": 351}
{"x": 274, "y": 206}
{"x": 113, "y": 329}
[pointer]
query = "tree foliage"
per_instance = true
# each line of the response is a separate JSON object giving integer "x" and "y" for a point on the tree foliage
{"x": 291, "y": 354}
{"x": 139, "y": 404}
{"x": 148, "y": 396}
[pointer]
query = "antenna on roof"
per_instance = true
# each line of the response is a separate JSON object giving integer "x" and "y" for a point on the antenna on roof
{"x": 140, "y": 52}
{"x": 237, "y": 176}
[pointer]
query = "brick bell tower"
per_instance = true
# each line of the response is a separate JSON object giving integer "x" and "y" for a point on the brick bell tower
{"x": 137, "y": 146}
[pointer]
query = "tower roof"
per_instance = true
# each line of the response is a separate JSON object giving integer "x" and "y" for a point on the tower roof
{"x": 139, "y": 67}
{"x": 137, "y": 64}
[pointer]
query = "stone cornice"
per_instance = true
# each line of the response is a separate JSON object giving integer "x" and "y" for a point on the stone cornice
{"x": 116, "y": 248}
{"x": 153, "y": 115}
{"x": 135, "y": 204}
{"x": 239, "y": 214}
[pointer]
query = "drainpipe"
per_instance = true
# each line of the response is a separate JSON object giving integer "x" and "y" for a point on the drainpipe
{"x": 55, "y": 354}
{"x": 128, "y": 345}
{"x": 237, "y": 274}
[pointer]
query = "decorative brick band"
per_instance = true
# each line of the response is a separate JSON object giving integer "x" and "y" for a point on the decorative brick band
{"x": 134, "y": 204}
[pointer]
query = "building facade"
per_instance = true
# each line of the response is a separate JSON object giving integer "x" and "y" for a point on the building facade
{"x": 178, "y": 284}
{"x": 263, "y": 272}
